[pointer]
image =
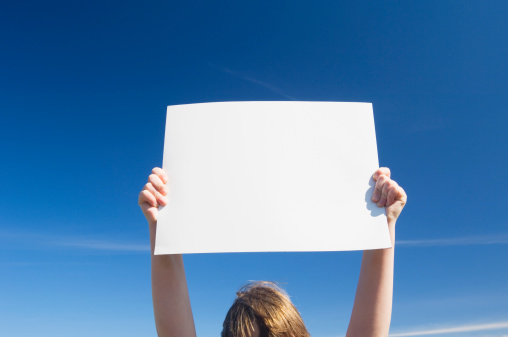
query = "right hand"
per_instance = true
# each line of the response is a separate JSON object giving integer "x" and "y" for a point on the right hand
{"x": 154, "y": 195}
{"x": 388, "y": 194}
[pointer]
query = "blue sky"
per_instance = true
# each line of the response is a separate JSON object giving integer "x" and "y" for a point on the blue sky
{"x": 83, "y": 93}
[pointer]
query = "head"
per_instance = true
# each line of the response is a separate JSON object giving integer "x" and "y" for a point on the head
{"x": 263, "y": 309}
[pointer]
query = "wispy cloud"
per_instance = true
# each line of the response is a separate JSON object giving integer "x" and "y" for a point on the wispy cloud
{"x": 472, "y": 240}
{"x": 102, "y": 245}
{"x": 454, "y": 329}
{"x": 266, "y": 85}
{"x": 30, "y": 240}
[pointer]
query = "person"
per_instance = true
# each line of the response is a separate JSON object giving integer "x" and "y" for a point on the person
{"x": 262, "y": 309}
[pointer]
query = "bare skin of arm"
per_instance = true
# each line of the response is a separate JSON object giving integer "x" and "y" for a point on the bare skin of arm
{"x": 372, "y": 308}
{"x": 171, "y": 303}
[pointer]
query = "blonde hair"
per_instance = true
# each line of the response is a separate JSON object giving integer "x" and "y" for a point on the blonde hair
{"x": 265, "y": 305}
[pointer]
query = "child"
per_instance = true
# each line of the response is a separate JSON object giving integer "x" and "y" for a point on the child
{"x": 262, "y": 309}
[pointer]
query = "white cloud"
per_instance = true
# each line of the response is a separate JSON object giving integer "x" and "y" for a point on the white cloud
{"x": 102, "y": 245}
{"x": 478, "y": 240}
{"x": 454, "y": 329}
{"x": 30, "y": 240}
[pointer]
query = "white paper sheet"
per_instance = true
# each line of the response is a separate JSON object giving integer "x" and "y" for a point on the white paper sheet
{"x": 270, "y": 176}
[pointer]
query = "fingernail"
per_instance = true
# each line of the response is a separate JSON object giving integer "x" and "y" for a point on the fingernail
{"x": 375, "y": 198}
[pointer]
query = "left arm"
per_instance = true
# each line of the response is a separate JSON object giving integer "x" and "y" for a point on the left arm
{"x": 372, "y": 309}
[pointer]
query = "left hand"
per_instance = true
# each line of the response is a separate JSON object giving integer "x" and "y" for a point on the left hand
{"x": 154, "y": 194}
{"x": 388, "y": 194}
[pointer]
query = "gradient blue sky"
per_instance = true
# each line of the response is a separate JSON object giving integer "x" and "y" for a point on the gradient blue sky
{"x": 83, "y": 93}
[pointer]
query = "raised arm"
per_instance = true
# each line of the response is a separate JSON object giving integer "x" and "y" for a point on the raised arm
{"x": 171, "y": 304}
{"x": 372, "y": 310}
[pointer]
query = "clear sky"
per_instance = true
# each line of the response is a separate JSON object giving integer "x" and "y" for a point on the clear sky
{"x": 83, "y": 93}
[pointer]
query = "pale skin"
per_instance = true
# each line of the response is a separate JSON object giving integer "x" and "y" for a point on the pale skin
{"x": 372, "y": 308}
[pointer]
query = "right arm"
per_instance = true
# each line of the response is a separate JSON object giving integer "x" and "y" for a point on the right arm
{"x": 171, "y": 303}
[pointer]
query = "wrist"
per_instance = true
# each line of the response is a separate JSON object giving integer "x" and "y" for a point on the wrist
{"x": 152, "y": 226}
{"x": 391, "y": 230}
{"x": 152, "y": 230}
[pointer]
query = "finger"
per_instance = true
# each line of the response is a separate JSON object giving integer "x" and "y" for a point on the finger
{"x": 376, "y": 196}
{"x": 147, "y": 198}
{"x": 393, "y": 192}
{"x": 381, "y": 171}
{"x": 384, "y": 193}
{"x": 401, "y": 196}
{"x": 162, "y": 175}
{"x": 158, "y": 184}
{"x": 151, "y": 214}
{"x": 161, "y": 200}
{"x": 148, "y": 205}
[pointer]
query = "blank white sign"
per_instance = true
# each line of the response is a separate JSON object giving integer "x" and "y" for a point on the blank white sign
{"x": 270, "y": 176}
